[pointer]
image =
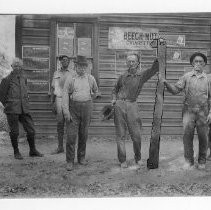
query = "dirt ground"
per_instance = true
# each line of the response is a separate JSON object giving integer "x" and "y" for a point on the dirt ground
{"x": 47, "y": 177}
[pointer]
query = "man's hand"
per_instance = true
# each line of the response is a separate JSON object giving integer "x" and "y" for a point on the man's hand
{"x": 68, "y": 117}
{"x": 209, "y": 118}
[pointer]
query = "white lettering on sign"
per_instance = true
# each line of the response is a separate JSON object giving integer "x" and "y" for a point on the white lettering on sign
{"x": 131, "y": 38}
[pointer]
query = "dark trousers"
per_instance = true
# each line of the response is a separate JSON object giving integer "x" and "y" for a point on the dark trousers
{"x": 26, "y": 120}
{"x": 127, "y": 116}
{"x": 195, "y": 118}
{"x": 81, "y": 116}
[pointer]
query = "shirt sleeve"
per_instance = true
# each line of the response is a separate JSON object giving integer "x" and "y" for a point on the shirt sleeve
{"x": 67, "y": 90}
{"x": 147, "y": 74}
{"x": 177, "y": 87}
{"x": 117, "y": 87}
{"x": 94, "y": 85}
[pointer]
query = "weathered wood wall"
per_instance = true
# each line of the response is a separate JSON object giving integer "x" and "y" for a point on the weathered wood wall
{"x": 196, "y": 28}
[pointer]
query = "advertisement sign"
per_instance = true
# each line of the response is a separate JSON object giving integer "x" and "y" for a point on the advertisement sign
{"x": 131, "y": 38}
{"x": 84, "y": 47}
{"x": 36, "y": 62}
{"x": 38, "y": 52}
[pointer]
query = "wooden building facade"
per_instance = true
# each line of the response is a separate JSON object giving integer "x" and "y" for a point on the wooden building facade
{"x": 41, "y": 38}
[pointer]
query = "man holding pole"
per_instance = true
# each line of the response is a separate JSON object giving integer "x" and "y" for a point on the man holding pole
{"x": 126, "y": 114}
{"x": 196, "y": 112}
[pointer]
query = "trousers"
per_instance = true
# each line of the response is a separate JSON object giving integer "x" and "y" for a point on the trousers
{"x": 195, "y": 118}
{"x": 127, "y": 116}
{"x": 81, "y": 117}
{"x": 26, "y": 120}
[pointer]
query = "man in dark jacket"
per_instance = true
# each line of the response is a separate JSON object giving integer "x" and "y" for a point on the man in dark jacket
{"x": 126, "y": 114}
{"x": 14, "y": 97}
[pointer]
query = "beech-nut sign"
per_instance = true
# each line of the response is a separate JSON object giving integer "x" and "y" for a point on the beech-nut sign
{"x": 131, "y": 38}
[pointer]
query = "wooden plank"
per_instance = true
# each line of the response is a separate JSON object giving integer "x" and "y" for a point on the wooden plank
{"x": 143, "y": 18}
{"x": 38, "y": 32}
{"x": 154, "y": 149}
{"x": 36, "y": 23}
{"x": 29, "y": 40}
{"x": 162, "y": 27}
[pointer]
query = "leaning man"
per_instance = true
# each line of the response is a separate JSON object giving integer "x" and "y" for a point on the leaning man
{"x": 14, "y": 97}
{"x": 77, "y": 108}
{"x": 59, "y": 78}
{"x": 196, "y": 87}
{"x": 126, "y": 113}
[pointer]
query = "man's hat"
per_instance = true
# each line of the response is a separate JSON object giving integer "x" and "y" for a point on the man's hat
{"x": 198, "y": 54}
{"x": 107, "y": 112}
{"x": 63, "y": 56}
{"x": 81, "y": 60}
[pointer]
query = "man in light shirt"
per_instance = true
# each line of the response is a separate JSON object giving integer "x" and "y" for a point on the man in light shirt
{"x": 77, "y": 107}
{"x": 196, "y": 110}
{"x": 59, "y": 78}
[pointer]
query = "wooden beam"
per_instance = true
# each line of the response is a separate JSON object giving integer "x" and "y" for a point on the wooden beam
{"x": 153, "y": 160}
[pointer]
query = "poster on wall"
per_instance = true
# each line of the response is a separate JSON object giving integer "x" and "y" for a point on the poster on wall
{"x": 37, "y": 52}
{"x": 36, "y": 61}
{"x": 65, "y": 32}
{"x": 84, "y": 47}
{"x": 131, "y": 38}
{"x": 65, "y": 46}
{"x": 180, "y": 55}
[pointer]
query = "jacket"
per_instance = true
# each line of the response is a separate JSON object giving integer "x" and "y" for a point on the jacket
{"x": 13, "y": 93}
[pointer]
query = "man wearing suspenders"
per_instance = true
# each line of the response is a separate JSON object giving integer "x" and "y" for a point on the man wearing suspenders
{"x": 196, "y": 111}
{"x": 77, "y": 108}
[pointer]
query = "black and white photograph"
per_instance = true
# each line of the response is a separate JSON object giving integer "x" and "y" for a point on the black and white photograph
{"x": 105, "y": 105}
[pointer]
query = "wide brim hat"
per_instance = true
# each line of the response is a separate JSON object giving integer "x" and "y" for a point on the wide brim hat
{"x": 81, "y": 60}
{"x": 107, "y": 112}
{"x": 198, "y": 54}
{"x": 63, "y": 56}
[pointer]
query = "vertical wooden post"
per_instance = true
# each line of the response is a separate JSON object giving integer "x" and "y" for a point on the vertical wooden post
{"x": 153, "y": 160}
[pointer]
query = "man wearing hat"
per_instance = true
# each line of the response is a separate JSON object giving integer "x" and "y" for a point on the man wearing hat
{"x": 77, "y": 107}
{"x": 126, "y": 114}
{"x": 14, "y": 97}
{"x": 196, "y": 113}
{"x": 59, "y": 78}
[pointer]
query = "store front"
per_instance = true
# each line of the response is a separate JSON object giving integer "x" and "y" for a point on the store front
{"x": 105, "y": 40}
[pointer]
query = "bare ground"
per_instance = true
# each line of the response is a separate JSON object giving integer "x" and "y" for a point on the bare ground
{"x": 102, "y": 177}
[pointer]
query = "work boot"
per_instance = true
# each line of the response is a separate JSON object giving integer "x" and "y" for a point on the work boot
{"x": 57, "y": 151}
{"x": 69, "y": 166}
{"x": 35, "y": 153}
{"x": 83, "y": 162}
{"x": 188, "y": 165}
{"x": 139, "y": 163}
{"x": 18, "y": 156}
{"x": 201, "y": 166}
{"x": 124, "y": 165}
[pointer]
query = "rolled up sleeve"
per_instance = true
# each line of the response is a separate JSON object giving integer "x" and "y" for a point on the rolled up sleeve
{"x": 67, "y": 90}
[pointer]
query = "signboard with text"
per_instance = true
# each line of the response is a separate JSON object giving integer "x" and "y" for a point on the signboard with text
{"x": 36, "y": 61}
{"x": 131, "y": 38}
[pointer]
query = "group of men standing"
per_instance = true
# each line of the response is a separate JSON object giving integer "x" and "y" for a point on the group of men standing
{"x": 72, "y": 95}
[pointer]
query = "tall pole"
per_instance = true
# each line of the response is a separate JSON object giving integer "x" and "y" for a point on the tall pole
{"x": 153, "y": 160}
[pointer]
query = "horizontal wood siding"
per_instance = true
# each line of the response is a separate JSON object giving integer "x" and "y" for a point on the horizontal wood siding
{"x": 197, "y": 32}
{"x": 196, "y": 28}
